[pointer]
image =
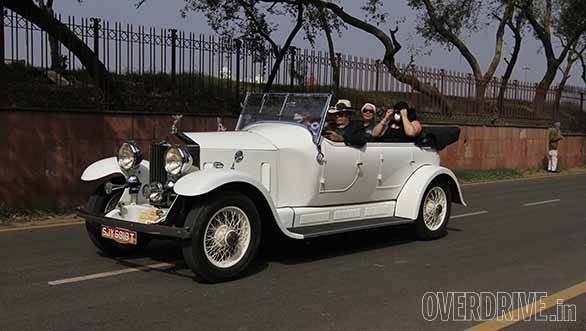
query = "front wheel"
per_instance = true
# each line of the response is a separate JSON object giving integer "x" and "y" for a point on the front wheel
{"x": 100, "y": 204}
{"x": 226, "y": 236}
{"x": 434, "y": 212}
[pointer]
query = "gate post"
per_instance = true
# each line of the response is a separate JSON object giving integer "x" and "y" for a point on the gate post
{"x": 293, "y": 51}
{"x": 238, "y": 56}
{"x": 1, "y": 33}
{"x": 173, "y": 54}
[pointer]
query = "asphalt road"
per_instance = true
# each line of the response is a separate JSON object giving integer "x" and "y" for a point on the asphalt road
{"x": 518, "y": 237}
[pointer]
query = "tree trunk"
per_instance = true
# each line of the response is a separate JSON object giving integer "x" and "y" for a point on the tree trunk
{"x": 481, "y": 87}
{"x": 391, "y": 48}
{"x": 510, "y": 66}
{"x": 58, "y": 30}
{"x": 509, "y": 71}
{"x": 417, "y": 85}
{"x": 334, "y": 58}
{"x": 563, "y": 82}
{"x": 283, "y": 51}
{"x": 544, "y": 85}
{"x": 57, "y": 61}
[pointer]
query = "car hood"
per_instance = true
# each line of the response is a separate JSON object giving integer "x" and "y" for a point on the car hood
{"x": 231, "y": 140}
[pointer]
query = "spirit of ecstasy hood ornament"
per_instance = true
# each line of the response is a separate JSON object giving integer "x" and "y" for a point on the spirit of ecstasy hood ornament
{"x": 177, "y": 119}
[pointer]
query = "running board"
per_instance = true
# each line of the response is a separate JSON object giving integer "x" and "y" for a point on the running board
{"x": 334, "y": 228}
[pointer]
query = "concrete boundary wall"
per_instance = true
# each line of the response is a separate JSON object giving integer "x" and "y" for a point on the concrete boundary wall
{"x": 42, "y": 154}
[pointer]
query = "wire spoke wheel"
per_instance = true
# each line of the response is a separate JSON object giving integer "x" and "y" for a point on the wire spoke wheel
{"x": 227, "y": 237}
{"x": 435, "y": 208}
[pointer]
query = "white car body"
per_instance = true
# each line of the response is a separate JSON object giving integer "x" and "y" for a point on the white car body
{"x": 377, "y": 181}
{"x": 220, "y": 190}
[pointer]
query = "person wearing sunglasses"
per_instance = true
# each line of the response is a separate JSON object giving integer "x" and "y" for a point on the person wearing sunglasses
{"x": 368, "y": 118}
{"x": 400, "y": 124}
{"x": 345, "y": 130}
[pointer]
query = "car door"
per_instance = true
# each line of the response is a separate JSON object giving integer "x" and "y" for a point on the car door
{"x": 339, "y": 173}
{"x": 396, "y": 163}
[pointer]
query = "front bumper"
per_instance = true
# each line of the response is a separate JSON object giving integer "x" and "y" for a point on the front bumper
{"x": 152, "y": 229}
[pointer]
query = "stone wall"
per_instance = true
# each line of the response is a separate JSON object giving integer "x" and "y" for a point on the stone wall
{"x": 42, "y": 154}
{"x": 509, "y": 147}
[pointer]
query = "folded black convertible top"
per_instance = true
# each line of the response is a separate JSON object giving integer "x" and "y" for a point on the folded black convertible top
{"x": 438, "y": 137}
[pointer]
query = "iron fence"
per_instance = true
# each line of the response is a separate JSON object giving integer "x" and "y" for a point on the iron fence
{"x": 157, "y": 69}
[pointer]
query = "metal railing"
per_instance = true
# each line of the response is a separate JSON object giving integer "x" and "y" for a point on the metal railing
{"x": 167, "y": 70}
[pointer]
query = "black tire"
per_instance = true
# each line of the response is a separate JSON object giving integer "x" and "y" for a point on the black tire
{"x": 97, "y": 205}
{"x": 199, "y": 217}
{"x": 422, "y": 231}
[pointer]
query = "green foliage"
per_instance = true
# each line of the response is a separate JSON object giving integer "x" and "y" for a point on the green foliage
{"x": 481, "y": 175}
{"x": 458, "y": 17}
{"x": 9, "y": 215}
{"x": 255, "y": 21}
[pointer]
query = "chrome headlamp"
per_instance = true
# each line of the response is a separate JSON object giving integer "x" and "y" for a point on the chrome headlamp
{"x": 177, "y": 161}
{"x": 129, "y": 156}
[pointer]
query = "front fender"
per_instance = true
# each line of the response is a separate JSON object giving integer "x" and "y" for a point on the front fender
{"x": 411, "y": 195}
{"x": 205, "y": 181}
{"x": 109, "y": 166}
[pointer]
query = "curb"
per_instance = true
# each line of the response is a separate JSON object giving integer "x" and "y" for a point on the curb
{"x": 581, "y": 173}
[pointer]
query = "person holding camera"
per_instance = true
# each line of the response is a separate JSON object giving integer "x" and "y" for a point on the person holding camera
{"x": 400, "y": 124}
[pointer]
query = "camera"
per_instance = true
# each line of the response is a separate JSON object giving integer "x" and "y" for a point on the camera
{"x": 396, "y": 117}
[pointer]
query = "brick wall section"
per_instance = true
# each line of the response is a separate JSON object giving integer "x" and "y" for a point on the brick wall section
{"x": 507, "y": 147}
{"x": 42, "y": 155}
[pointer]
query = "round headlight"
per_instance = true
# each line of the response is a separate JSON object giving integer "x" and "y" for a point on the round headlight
{"x": 177, "y": 161}
{"x": 129, "y": 156}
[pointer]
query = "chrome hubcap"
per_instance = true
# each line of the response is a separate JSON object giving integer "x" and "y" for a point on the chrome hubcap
{"x": 227, "y": 237}
{"x": 435, "y": 208}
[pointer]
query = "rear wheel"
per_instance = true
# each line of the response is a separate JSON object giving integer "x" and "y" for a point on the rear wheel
{"x": 434, "y": 212}
{"x": 100, "y": 204}
{"x": 225, "y": 239}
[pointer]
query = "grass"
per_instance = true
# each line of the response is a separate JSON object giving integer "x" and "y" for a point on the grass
{"x": 487, "y": 175}
{"x": 482, "y": 175}
{"x": 9, "y": 215}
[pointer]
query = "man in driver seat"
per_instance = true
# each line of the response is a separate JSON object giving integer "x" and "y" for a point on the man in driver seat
{"x": 347, "y": 131}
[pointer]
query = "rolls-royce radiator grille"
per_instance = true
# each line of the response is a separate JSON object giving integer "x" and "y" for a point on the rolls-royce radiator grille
{"x": 157, "y": 162}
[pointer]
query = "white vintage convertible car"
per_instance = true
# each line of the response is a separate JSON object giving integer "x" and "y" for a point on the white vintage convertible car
{"x": 218, "y": 191}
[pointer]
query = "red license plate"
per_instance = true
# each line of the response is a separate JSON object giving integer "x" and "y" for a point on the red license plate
{"x": 120, "y": 235}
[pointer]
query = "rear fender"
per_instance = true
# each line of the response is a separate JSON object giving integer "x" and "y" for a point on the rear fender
{"x": 411, "y": 195}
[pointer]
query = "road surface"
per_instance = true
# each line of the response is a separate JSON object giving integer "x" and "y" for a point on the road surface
{"x": 521, "y": 236}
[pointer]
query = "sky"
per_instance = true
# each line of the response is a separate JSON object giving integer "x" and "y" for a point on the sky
{"x": 165, "y": 14}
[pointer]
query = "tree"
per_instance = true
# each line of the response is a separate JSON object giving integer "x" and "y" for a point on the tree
{"x": 567, "y": 19}
{"x": 516, "y": 24}
{"x": 583, "y": 62}
{"x": 390, "y": 42}
{"x": 576, "y": 53}
{"x": 57, "y": 60}
{"x": 249, "y": 20}
{"x": 30, "y": 11}
{"x": 446, "y": 21}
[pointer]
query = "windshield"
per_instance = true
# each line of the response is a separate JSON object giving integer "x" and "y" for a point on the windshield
{"x": 308, "y": 110}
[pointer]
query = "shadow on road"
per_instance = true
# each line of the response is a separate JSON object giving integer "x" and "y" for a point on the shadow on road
{"x": 291, "y": 251}
{"x": 276, "y": 248}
